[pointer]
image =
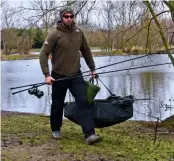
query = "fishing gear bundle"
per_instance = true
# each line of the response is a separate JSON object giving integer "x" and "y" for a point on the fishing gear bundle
{"x": 105, "y": 112}
{"x": 33, "y": 90}
{"x": 36, "y": 92}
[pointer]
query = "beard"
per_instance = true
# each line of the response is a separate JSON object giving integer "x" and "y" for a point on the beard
{"x": 67, "y": 24}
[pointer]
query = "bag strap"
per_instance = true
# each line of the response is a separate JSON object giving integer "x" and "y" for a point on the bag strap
{"x": 91, "y": 80}
{"x": 105, "y": 86}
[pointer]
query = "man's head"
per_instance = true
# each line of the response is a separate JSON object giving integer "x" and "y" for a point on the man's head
{"x": 67, "y": 16}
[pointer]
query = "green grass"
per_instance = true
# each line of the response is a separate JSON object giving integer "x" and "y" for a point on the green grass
{"x": 100, "y": 53}
{"x": 33, "y": 56}
{"x": 95, "y": 48}
{"x": 110, "y": 53}
{"x": 38, "y": 49}
{"x": 35, "y": 50}
{"x": 18, "y": 57}
{"x": 128, "y": 141}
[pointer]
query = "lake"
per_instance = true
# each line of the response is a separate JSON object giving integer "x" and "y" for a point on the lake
{"x": 156, "y": 83}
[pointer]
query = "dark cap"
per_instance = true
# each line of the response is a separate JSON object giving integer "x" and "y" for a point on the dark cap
{"x": 65, "y": 10}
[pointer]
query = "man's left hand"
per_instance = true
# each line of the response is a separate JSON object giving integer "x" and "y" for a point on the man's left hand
{"x": 94, "y": 74}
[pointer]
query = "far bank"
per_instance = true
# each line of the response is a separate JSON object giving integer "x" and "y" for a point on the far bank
{"x": 18, "y": 56}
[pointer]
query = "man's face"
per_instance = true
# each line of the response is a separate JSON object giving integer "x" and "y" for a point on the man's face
{"x": 68, "y": 19}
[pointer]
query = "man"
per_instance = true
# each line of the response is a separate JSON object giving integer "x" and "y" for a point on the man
{"x": 64, "y": 43}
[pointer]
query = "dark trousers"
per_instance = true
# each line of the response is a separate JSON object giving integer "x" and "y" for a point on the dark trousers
{"x": 77, "y": 87}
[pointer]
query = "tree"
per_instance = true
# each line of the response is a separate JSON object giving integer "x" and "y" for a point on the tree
{"x": 39, "y": 37}
{"x": 43, "y": 11}
{"x": 9, "y": 40}
{"x": 170, "y": 5}
{"x": 160, "y": 31}
{"x": 8, "y": 34}
{"x": 83, "y": 14}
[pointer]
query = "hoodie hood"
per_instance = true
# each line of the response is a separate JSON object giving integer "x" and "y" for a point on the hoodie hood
{"x": 63, "y": 28}
{"x": 65, "y": 10}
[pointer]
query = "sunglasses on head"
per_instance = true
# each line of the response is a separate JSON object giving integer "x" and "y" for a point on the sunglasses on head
{"x": 66, "y": 16}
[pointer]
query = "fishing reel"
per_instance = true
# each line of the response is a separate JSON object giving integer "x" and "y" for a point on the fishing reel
{"x": 36, "y": 92}
{"x": 167, "y": 106}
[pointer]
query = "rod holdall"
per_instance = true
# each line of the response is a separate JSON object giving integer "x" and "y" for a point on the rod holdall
{"x": 92, "y": 89}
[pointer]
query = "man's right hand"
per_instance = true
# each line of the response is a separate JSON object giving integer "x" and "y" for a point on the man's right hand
{"x": 49, "y": 80}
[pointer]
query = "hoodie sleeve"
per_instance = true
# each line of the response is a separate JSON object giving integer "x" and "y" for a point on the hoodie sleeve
{"x": 46, "y": 49}
{"x": 86, "y": 52}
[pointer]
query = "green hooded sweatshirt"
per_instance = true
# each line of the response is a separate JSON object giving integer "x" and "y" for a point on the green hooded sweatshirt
{"x": 65, "y": 44}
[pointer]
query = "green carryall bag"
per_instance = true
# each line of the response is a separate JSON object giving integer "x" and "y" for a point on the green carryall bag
{"x": 92, "y": 90}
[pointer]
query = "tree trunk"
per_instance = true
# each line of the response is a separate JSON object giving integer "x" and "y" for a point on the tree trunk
{"x": 170, "y": 5}
{"x": 165, "y": 43}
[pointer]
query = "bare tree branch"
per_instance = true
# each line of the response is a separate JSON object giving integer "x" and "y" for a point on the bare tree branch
{"x": 84, "y": 3}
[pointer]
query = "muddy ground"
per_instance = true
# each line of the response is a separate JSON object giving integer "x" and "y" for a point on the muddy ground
{"x": 20, "y": 143}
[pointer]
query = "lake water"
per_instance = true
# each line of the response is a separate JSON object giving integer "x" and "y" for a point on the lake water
{"x": 156, "y": 83}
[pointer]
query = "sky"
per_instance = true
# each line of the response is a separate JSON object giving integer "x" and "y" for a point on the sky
{"x": 26, "y": 3}
{"x": 18, "y": 2}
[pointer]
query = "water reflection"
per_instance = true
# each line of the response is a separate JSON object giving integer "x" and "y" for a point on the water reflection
{"x": 156, "y": 83}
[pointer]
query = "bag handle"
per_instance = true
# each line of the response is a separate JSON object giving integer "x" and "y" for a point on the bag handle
{"x": 91, "y": 80}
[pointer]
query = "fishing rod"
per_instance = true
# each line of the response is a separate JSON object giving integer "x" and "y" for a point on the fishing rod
{"x": 147, "y": 115}
{"x": 79, "y": 75}
{"x": 30, "y": 91}
{"x": 102, "y": 67}
{"x": 133, "y": 68}
{"x": 28, "y": 85}
{"x": 149, "y": 54}
{"x": 119, "y": 70}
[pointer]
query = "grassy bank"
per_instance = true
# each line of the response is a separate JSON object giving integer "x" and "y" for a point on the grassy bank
{"x": 18, "y": 57}
{"x": 34, "y": 56}
{"x": 94, "y": 53}
{"x": 27, "y": 137}
{"x": 133, "y": 51}
{"x": 38, "y": 49}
